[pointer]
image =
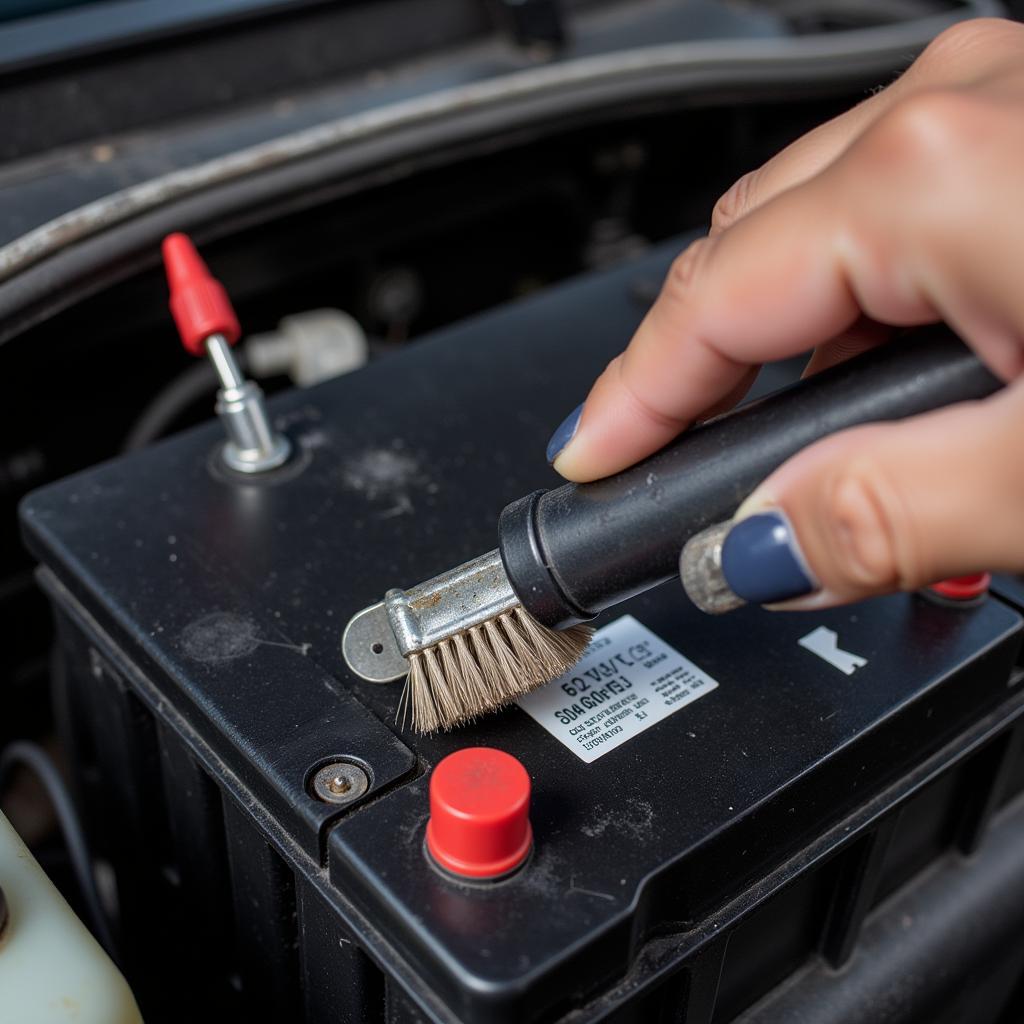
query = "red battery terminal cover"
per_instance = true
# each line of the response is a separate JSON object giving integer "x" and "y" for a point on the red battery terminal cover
{"x": 199, "y": 304}
{"x": 963, "y": 588}
{"x": 479, "y": 813}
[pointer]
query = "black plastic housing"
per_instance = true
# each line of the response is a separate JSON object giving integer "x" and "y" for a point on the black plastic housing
{"x": 572, "y": 552}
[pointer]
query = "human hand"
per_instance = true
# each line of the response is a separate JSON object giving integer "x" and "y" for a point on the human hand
{"x": 899, "y": 212}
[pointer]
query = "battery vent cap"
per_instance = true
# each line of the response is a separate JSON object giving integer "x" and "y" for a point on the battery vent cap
{"x": 479, "y": 813}
{"x": 963, "y": 588}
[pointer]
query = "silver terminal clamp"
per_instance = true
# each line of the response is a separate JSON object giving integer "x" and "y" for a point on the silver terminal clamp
{"x": 378, "y": 640}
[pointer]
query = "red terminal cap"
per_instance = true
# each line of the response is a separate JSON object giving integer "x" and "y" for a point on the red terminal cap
{"x": 479, "y": 813}
{"x": 199, "y": 304}
{"x": 963, "y": 588}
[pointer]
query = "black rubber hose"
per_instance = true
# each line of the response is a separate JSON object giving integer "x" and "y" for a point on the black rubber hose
{"x": 194, "y": 383}
{"x": 572, "y": 552}
{"x": 174, "y": 400}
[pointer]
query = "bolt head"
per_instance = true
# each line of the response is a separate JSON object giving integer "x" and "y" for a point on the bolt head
{"x": 340, "y": 783}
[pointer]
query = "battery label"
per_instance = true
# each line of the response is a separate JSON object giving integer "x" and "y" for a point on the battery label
{"x": 627, "y": 680}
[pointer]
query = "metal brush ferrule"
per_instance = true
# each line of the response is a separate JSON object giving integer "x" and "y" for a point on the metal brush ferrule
{"x": 378, "y": 640}
{"x": 450, "y": 603}
{"x": 700, "y": 569}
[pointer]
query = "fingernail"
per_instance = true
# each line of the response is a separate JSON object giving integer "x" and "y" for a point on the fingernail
{"x": 564, "y": 434}
{"x": 762, "y": 561}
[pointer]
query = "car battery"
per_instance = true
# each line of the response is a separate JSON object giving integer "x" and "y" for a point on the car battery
{"x": 720, "y": 807}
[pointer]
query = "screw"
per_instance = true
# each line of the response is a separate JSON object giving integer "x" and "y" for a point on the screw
{"x": 340, "y": 783}
{"x": 95, "y": 664}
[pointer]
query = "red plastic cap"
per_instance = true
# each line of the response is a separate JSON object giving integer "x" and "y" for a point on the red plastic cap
{"x": 964, "y": 588}
{"x": 199, "y": 304}
{"x": 479, "y": 813}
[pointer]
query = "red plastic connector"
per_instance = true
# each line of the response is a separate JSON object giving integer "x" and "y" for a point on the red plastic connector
{"x": 199, "y": 304}
{"x": 963, "y": 588}
{"x": 479, "y": 813}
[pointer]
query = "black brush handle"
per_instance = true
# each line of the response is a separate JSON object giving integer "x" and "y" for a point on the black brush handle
{"x": 572, "y": 552}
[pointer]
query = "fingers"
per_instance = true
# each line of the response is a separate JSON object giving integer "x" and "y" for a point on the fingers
{"x": 860, "y": 337}
{"x": 886, "y": 507}
{"x": 798, "y": 162}
{"x": 723, "y": 309}
{"x": 916, "y": 222}
{"x": 959, "y": 56}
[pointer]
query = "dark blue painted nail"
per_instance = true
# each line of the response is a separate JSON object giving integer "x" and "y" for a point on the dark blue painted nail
{"x": 762, "y": 562}
{"x": 564, "y": 434}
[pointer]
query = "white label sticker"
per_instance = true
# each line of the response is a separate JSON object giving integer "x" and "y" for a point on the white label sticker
{"x": 627, "y": 680}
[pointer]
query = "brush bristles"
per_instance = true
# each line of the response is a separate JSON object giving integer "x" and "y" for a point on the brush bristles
{"x": 485, "y": 668}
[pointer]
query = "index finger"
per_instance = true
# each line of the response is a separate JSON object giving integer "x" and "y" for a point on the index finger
{"x": 771, "y": 286}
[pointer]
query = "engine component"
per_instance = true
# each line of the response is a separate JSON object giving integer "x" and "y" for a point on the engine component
{"x": 51, "y": 969}
{"x": 310, "y": 347}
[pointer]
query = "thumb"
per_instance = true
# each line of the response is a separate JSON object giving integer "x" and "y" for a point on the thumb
{"x": 885, "y": 507}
